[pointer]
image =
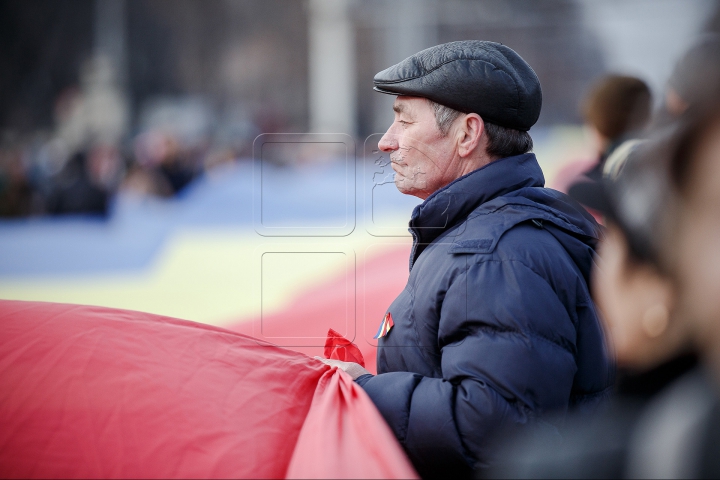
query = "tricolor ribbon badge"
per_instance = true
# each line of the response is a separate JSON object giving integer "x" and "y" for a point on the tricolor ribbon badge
{"x": 385, "y": 326}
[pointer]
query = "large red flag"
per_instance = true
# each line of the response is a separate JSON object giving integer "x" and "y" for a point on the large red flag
{"x": 98, "y": 392}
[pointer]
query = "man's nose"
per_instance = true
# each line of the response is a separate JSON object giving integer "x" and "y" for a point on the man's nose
{"x": 388, "y": 142}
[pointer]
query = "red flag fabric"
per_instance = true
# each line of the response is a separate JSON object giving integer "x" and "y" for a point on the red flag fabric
{"x": 345, "y": 425}
{"x": 379, "y": 280}
{"x": 105, "y": 393}
{"x": 338, "y": 347}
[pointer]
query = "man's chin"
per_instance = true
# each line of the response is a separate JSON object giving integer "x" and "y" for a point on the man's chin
{"x": 409, "y": 190}
{"x": 402, "y": 187}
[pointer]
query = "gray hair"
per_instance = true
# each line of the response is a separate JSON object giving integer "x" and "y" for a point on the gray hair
{"x": 502, "y": 142}
{"x": 444, "y": 117}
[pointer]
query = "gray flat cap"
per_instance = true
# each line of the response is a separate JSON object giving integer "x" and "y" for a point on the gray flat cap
{"x": 472, "y": 76}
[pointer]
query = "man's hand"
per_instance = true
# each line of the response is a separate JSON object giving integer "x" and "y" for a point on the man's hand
{"x": 351, "y": 368}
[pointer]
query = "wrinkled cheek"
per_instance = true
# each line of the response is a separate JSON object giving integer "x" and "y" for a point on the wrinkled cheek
{"x": 404, "y": 175}
{"x": 418, "y": 176}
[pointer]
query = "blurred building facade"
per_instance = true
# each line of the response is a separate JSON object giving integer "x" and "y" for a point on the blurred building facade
{"x": 256, "y": 57}
{"x": 160, "y": 90}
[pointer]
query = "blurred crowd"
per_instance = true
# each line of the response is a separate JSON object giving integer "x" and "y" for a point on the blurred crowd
{"x": 43, "y": 175}
{"x": 90, "y": 155}
{"x": 37, "y": 179}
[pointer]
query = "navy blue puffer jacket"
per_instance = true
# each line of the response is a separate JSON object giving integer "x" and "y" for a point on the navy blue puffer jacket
{"x": 496, "y": 326}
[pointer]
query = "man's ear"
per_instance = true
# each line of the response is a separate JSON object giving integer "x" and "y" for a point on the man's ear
{"x": 470, "y": 132}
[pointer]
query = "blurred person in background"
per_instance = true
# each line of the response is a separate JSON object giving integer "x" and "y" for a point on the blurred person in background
{"x": 616, "y": 110}
{"x": 178, "y": 164}
{"x": 161, "y": 166}
{"x": 658, "y": 286}
{"x": 76, "y": 191}
{"x": 16, "y": 192}
{"x": 106, "y": 166}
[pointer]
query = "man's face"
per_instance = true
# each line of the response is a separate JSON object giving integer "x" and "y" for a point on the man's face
{"x": 423, "y": 159}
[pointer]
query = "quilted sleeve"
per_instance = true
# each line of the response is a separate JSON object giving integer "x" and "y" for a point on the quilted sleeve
{"x": 508, "y": 355}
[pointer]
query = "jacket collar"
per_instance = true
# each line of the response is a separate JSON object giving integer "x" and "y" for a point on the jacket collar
{"x": 452, "y": 204}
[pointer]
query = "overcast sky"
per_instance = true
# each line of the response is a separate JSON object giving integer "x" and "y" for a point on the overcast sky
{"x": 646, "y": 37}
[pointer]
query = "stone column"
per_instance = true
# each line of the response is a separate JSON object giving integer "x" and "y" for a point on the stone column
{"x": 331, "y": 67}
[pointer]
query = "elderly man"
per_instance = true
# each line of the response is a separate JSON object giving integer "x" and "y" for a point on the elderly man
{"x": 496, "y": 325}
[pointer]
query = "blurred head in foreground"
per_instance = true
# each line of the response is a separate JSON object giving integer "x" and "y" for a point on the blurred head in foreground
{"x": 659, "y": 281}
{"x": 697, "y": 72}
{"x": 694, "y": 255}
{"x": 632, "y": 284}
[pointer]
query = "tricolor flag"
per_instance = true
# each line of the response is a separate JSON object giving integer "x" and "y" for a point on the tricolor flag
{"x": 385, "y": 326}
